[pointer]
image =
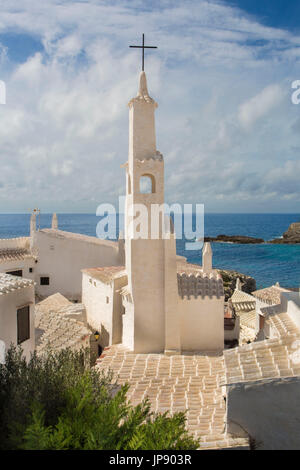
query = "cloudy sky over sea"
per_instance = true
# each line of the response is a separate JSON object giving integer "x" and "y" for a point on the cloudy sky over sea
{"x": 222, "y": 76}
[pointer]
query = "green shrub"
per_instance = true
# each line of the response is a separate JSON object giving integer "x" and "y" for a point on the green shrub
{"x": 59, "y": 402}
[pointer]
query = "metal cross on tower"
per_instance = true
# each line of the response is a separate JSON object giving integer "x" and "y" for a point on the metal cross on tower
{"x": 143, "y": 47}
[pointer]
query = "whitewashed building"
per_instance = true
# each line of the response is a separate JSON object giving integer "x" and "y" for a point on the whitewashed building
{"x": 17, "y": 258}
{"x": 17, "y": 313}
{"x": 54, "y": 258}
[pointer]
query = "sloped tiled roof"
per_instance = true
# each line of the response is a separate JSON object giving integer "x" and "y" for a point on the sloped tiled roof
{"x": 270, "y": 295}
{"x": 271, "y": 358}
{"x": 282, "y": 325}
{"x": 15, "y": 255}
{"x": 248, "y": 318}
{"x": 106, "y": 274}
{"x": 56, "y": 329}
{"x": 9, "y": 283}
{"x": 79, "y": 237}
{"x": 54, "y": 302}
{"x": 243, "y": 301}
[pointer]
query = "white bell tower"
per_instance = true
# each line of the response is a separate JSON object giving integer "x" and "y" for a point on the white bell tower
{"x": 144, "y": 321}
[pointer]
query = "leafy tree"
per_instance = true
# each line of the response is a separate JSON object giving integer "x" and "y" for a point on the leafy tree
{"x": 59, "y": 402}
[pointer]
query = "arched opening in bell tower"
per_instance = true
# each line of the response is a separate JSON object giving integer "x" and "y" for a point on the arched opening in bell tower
{"x": 147, "y": 184}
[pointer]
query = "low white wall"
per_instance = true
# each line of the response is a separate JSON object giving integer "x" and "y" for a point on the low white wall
{"x": 9, "y": 303}
{"x": 268, "y": 411}
{"x": 201, "y": 324}
{"x": 293, "y": 307}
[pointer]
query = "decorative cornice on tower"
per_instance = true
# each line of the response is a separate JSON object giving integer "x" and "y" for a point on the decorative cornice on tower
{"x": 142, "y": 94}
{"x": 158, "y": 156}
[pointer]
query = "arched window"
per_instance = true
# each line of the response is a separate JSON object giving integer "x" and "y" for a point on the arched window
{"x": 147, "y": 184}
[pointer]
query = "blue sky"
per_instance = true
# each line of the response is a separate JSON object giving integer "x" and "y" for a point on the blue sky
{"x": 222, "y": 76}
{"x": 274, "y": 13}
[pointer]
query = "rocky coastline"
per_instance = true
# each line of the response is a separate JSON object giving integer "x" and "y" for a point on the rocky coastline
{"x": 291, "y": 236}
{"x": 240, "y": 239}
{"x": 229, "y": 281}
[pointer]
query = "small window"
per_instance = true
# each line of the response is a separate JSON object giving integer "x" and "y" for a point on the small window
{"x": 107, "y": 300}
{"x": 31, "y": 270}
{"x": 44, "y": 281}
{"x": 23, "y": 324}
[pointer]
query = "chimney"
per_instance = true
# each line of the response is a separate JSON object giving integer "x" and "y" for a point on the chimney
{"x": 207, "y": 258}
{"x": 33, "y": 223}
{"x": 54, "y": 222}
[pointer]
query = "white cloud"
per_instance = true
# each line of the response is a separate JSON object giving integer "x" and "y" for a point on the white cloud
{"x": 257, "y": 107}
{"x": 226, "y": 126}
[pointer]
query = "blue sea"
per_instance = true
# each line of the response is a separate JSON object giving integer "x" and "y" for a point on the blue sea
{"x": 266, "y": 263}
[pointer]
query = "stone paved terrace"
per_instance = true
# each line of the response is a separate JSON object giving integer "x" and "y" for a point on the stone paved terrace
{"x": 187, "y": 382}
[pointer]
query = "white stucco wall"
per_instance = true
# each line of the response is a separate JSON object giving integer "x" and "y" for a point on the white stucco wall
{"x": 62, "y": 260}
{"x": 128, "y": 325}
{"x": 268, "y": 411}
{"x": 103, "y": 316}
{"x": 118, "y": 310}
{"x": 99, "y": 313}
{"x": 172, "y": 316}
{"x": 202, "y": 324}
{"x": 9, "y": 303}
{"x": 147, "y": 278}
{"x": 16, "y": 265}
{"x": 291, "y": 304}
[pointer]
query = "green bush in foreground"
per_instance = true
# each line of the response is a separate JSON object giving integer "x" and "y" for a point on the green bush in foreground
{"x": 58, "y": 402}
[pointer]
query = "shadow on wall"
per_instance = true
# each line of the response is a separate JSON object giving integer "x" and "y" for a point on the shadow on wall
{"x": 104, "y": 337}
